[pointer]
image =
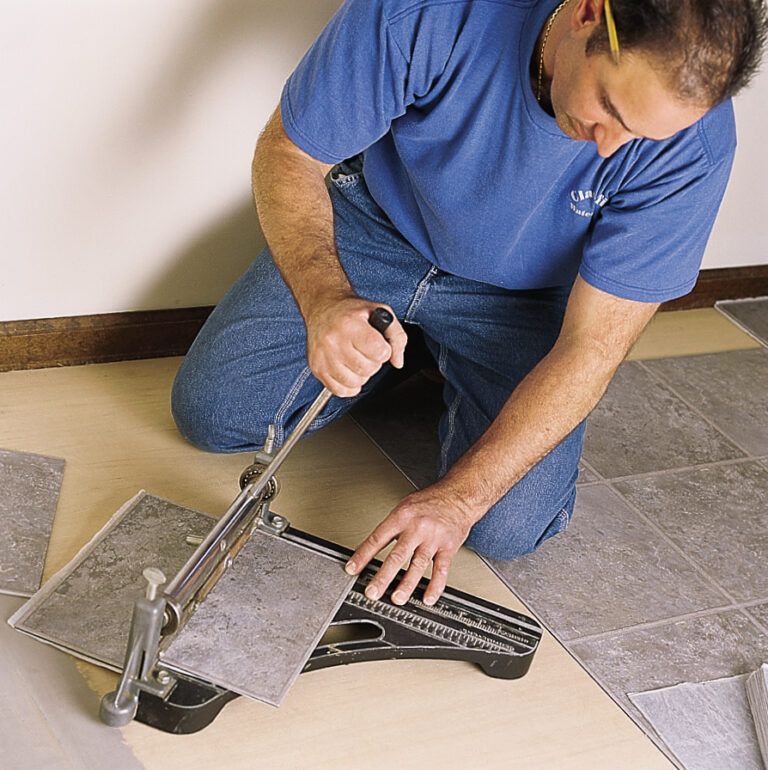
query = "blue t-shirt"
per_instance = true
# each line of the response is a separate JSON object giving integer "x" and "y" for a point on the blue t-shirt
{"x": 477, "y": 176}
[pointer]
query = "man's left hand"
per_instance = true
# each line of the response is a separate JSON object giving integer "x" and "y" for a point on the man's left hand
{"x": 429, "y": 527}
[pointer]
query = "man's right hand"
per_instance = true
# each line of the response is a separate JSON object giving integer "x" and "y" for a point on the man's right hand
{"x": 344, "y": 350}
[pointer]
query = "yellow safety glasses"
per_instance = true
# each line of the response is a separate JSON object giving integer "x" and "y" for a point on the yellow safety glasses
{"x": 613, "y": 37}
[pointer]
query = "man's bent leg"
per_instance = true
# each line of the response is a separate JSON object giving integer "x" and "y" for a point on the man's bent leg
{"x": 486, "y": 340}
{"x": 247, "y": 368}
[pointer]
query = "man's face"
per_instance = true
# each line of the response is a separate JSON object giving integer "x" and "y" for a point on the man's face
{"x": 598, "y": 101}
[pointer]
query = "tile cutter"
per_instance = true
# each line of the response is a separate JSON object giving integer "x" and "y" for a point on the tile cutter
{"x": 459, "y": 626}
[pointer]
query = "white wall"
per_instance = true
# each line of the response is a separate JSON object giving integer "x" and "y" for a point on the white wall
{"x": 126, "y": 139}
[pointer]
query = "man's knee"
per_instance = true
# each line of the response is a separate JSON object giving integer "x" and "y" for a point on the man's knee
{"x": 203, "y": 414}
{"x": 511, "y": 529}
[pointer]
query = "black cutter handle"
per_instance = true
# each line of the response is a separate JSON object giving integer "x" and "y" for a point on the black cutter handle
{"x": 381, "y": 319}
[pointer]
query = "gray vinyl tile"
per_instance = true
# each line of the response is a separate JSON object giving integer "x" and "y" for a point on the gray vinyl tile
{"x": 86, "y": 608}
{"x": 718, "y": 516}
{"x": 730, "y": 389}
{"x": 760, "y": 613}
{"x": 608, "y": 570}
{"x": 706, "y": 725}
{"x": 751, "y": 314}
{"x": 48, "y": 714}
{"x": 403, "y": 422}
{"x": 29, "y": 494}
{"x": 640, "y": 426}
{"x": 694, "y": 649}
{"x": 257, "y": 628}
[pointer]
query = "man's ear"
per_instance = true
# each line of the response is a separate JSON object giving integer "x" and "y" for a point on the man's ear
{"x": 587, "y": 14}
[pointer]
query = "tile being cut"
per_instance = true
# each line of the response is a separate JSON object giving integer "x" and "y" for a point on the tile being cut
{"x": 29, "y": 494}
{"x": 750, "y": 314}
{"x": 85, "y": 609}
{"x": 257, "y": 628}
{"x": 706, "y": 725}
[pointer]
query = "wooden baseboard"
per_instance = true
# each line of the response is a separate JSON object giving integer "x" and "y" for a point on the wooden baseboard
{"x": 724, "y": 283}
{"x": 89, "y": 339}
{"x": 68, "y": 341}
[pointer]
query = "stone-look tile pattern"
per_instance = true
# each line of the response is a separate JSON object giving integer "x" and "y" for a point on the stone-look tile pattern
{"x": 641, "y": 426}
{"x": 688, "y": 650}
{"x": 257, "y": 628}
{"x": 47, "y": 710}
{"x": 403, "y": 422}
{"x": 707, "y": 726}
{"x": 718, "y": 516}
{"x": 760, "y": 613}
{"x": 608, "y": 570}
{"x": 29, "y": 494}
{"x": 730, "y": 389}
{"x": 751, "y": 314}
{"x": 86, "y": 608}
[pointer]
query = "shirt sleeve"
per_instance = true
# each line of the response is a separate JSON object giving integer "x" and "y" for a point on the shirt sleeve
{"x": 649, "y": 239}
{"x": 349, "y": 87}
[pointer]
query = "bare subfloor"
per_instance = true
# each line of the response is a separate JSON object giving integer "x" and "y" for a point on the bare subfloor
{"x": 112, "y": 425}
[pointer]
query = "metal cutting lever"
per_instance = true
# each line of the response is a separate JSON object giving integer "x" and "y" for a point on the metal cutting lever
{"x": 205, "y": 563}
{"x": 380, "y": 319}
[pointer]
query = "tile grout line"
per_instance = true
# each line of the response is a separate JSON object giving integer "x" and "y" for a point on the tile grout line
{"x": 706, "y": 419}
{"x": 741, "y": 326}
{"x": 383, "y": 453}
{"x": 762, "y": 626}
{"x": 682, "y": 468}
{"x": 740, "y": 607}
{"x": 591, "y": 468}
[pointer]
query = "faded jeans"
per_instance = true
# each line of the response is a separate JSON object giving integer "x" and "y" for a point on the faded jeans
{"x": 247, "y": 368}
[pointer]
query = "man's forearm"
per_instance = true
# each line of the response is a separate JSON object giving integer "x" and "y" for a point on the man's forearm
{"x": 545, "y": 407}
{"x": 296, "y": 216}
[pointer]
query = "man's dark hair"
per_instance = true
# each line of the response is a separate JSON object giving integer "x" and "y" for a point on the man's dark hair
{"x": 707, "y": 50}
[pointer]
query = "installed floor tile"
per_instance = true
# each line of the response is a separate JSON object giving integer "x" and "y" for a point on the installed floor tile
{"x": 718, "y": 516}
{"x": 640, "y": 577}
{"x": 760, "y": 614}
{"x": 689, "y": 650}
{"x": 711, "y": 384}
{"x": 707, "y": 725}
{"x": 641, "y": 426}
{"x": 751, "y": 314}
{"x": 29, "y": 494}
{"x": 403, "y": 423}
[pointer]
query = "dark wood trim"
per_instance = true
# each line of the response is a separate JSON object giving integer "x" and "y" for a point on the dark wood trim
{"x": 723, "y": 283}
{"x": 89, "y": 339}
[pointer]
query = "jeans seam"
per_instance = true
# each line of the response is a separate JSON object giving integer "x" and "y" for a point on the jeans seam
{"x": 419, "y": 294}
{"x": 451, "y": 415}
{"x": 289, "y": 400}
